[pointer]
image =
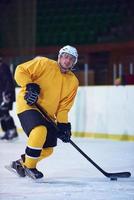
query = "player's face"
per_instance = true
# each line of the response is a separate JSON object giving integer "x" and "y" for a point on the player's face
{"x": 66, "y": 62}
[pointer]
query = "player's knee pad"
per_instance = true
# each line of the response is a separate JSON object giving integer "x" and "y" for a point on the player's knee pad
{"x": 37, "y": 137}
{"x": 45, "y": 153}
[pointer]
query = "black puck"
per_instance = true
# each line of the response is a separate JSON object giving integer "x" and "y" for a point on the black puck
{"x": 113, "y": 179}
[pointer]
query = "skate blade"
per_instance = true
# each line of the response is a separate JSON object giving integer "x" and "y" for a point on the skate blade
{"x": 10, "y": 169}
{"x": 13, "y": 171}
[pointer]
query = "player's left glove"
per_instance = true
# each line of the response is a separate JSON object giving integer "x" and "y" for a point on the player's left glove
{"x": 64, "y": 132}
{"x": 32, "y": 93}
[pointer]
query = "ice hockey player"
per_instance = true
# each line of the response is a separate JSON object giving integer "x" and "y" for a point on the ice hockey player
{"x": 53, "y": 86}
{"x": 7, "y": 97}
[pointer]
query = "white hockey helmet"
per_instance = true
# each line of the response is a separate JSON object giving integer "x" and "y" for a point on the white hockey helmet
{"x": 70, "y": 50}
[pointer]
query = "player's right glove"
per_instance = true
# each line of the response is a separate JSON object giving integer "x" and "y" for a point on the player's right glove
{"x": 32, "y": 93}
{"x": 64, "y": 132}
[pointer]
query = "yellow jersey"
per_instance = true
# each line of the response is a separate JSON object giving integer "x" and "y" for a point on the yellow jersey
{"x": 57, "y": 90}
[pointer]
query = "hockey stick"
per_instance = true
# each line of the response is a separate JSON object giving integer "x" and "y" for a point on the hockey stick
{"x": 112, "y": 176}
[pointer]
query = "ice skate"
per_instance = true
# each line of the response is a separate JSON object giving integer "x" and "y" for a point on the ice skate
{"x": 33, "y": 173}
{"x": 18, "y": 168}
{"x": 12, "y": 134}
{"x": 5, "y": 136}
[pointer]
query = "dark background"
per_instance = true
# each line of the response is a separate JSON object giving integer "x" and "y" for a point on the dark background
{"x": 101, "y": 30}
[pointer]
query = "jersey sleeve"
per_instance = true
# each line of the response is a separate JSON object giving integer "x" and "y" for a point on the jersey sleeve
{"x": 29, "y": 71}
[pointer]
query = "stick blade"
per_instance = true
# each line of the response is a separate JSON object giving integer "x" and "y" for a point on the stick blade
{"x": 119, "y": 175}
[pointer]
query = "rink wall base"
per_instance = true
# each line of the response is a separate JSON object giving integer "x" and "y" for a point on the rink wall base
{"x": 117, "y": 137}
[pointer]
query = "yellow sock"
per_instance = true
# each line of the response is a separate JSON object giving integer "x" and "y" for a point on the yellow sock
{"x": 45, "y": 153}
{"x": 35, "y": 143}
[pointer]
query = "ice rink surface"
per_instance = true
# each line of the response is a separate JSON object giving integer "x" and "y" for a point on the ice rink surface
{"x": 68, "y": 175}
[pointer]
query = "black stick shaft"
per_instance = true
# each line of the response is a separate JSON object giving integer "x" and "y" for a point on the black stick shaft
{"x": 109, "y": 175}
{"x": 87, "y": 157}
